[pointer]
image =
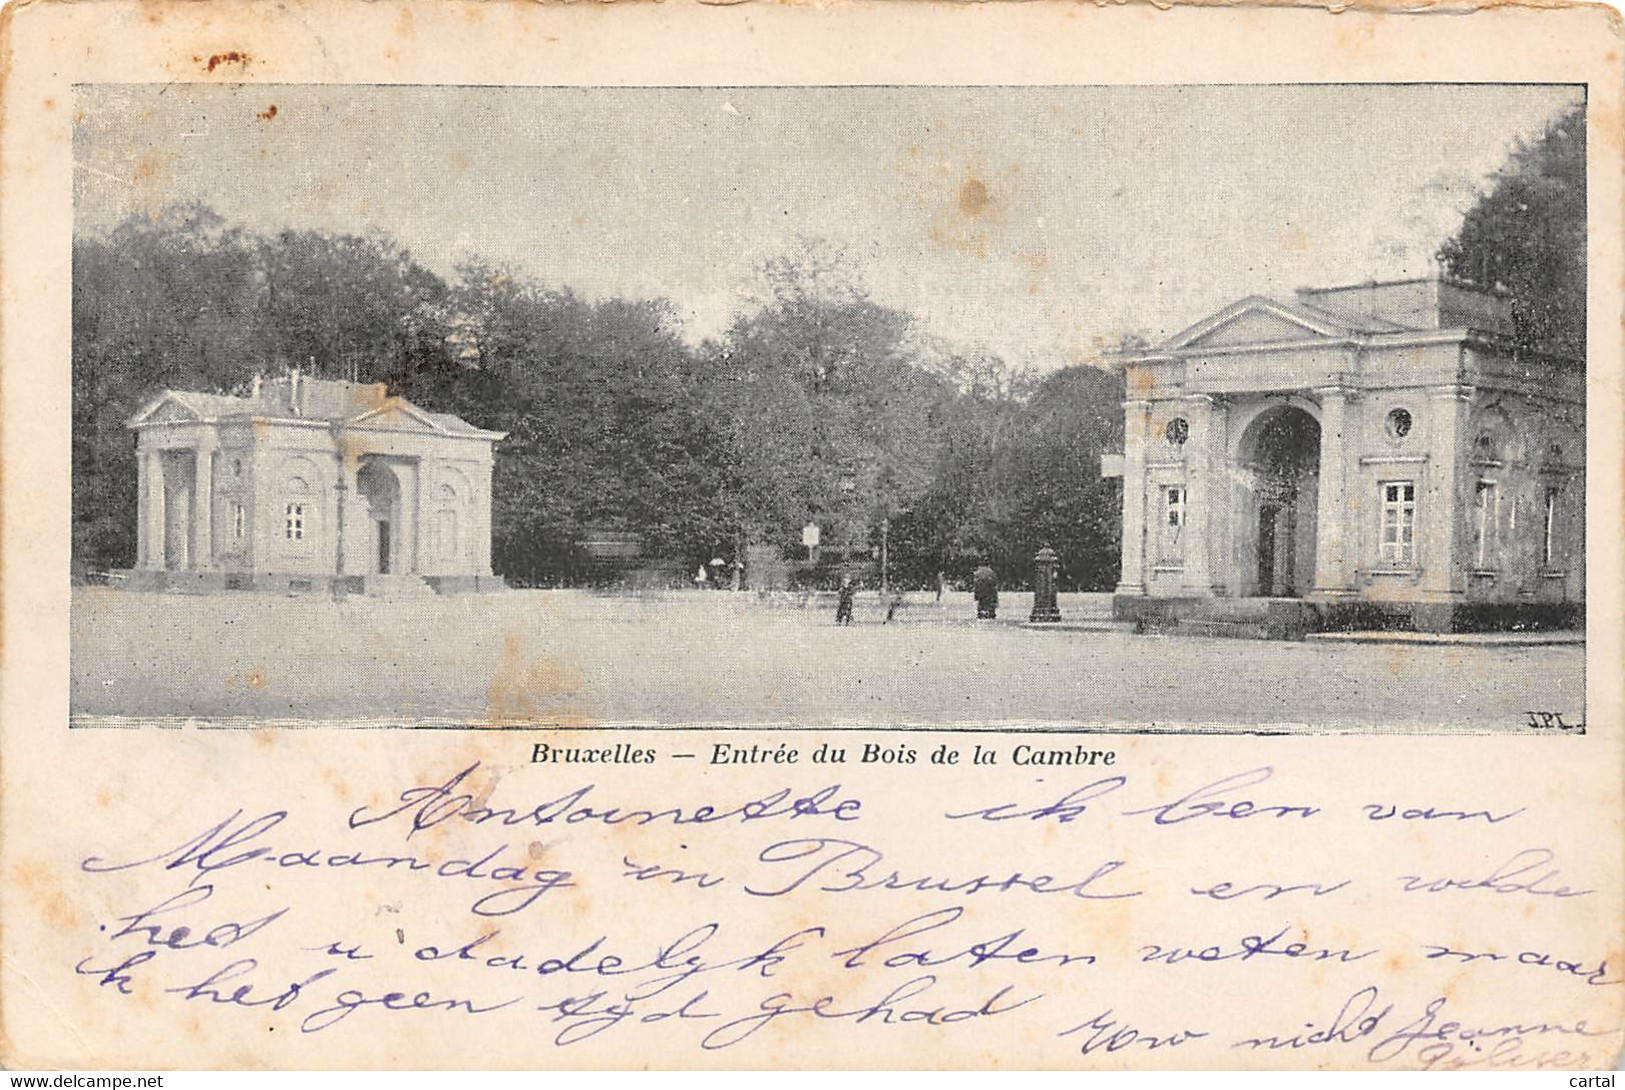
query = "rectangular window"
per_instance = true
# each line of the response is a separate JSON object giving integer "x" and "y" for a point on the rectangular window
{"x": 1398, "y": 523}
{"x": 1173, "y": 520}
{"x": 237, "y": 520}
{"x": 1486, "y": 517}
{"x": 293, "y": 526}
{"x": 1548, "y": 549}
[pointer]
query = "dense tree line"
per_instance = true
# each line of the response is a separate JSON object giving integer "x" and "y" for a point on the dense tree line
{"x": 817, "y": 404}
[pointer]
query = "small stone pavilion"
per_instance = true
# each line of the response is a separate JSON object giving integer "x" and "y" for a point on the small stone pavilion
{"x": 1373, "y": 455}
{"x": 310, "y": 484}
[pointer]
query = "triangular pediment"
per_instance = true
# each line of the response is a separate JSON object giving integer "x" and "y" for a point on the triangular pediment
{"x": 166, "y": 409}
{"x": 171, "y": 412}
{"x": 398, "y": 415}
{"x": 1257, "y": 321}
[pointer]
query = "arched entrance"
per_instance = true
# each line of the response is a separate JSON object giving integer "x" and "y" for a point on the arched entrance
{"x": 380, "y": 491}
{"x": 1280, "y": 454}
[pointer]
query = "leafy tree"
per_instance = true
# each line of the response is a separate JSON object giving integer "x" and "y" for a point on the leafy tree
{"x": 1058, "y": 498}
{"x": 1019, "y": 470}
{"x": 1527, "y": 234}
{"x": 827, "y": 415}
{"x": 955, "y": 525}
{"x": 603, "y": 406}
{"x": 350, "y": 306}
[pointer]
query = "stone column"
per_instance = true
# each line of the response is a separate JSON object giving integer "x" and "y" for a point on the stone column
{"x": 155, "y": 508}
{"x": 480, "y": 526}
{"x": 1437, "y": 503}
{"x": 267, "y": 511}
{"x": 143, "y": 501}
{"x": 1334, "y": 541}
{"x": 1204, "y": 484}
{"x": 203, "y": 506}
{"x": 1136, "y": 426}
{"x": 419, "y": 502}
{"x": 356, "y": 531}
{"x": 341, "y": 509}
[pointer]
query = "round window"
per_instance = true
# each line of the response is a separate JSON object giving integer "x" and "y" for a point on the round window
{"x": 1399, "y": 423}
{"x": 1178, "y": 430}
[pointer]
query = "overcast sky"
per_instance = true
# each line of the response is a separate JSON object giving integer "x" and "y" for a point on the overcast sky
{"x": 1038, "y": 223}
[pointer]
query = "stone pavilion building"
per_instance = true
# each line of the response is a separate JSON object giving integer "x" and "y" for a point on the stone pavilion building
{"x": 310, "y": 484}
{"x": 1373, "y": 455}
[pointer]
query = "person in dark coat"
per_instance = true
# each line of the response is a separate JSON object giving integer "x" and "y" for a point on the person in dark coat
{"x": 843, "y": 603}
{"x": 986, "y": 585}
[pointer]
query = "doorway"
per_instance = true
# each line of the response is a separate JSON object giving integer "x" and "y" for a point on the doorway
{"x": 380, "y": 490}
{"x": 1278, "y": 548}
{"x": 1281, "y": 450}
{"x": 1266, "y": 547}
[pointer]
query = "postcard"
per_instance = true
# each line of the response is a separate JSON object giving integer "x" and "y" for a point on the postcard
{"x": 795, "y": 536}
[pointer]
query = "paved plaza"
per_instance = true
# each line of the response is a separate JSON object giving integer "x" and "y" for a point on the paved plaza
{"x": 572, "y": 657}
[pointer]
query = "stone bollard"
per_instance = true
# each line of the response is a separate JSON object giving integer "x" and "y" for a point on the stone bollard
{"x": 1045, "y": 607}
{"x": 986, "y": 585}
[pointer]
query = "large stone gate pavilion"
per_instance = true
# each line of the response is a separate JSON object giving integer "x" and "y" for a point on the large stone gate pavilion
{"x": 1372, "y": 454}
{"x": 310, "y": 484}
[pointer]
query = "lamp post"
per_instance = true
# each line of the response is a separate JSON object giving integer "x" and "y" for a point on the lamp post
{"x": 849, "y": 488}
{"x": 885, "y": 557}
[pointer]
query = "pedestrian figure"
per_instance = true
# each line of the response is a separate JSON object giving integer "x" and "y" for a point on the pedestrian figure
{"x": 987, "y": 593}
{"x": 843, "y": 603}
{"x": 942, "y": 584}
{"x": 891, "y": 606}
{"x": 699, "y": 578}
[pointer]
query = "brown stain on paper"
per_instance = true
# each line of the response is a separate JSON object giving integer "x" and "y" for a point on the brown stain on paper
{"x": 970, "y": 218}
{"x": 973, "y": 197}
{"x": 235, "y": 57}
{"x": 256, "y": 679}
{"x": 45, "y": 893}
{"x": 537, "y": 687}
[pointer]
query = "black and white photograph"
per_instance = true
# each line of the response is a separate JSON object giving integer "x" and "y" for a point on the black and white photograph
{"x": 742, "y": 539}
{"x": 1194, "y": 407}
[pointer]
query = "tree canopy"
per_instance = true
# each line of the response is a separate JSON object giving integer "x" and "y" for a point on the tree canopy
{"x": 1526, "y": 234}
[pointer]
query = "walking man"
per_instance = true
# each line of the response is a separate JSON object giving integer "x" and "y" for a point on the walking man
{"x": 843, "y": 603}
